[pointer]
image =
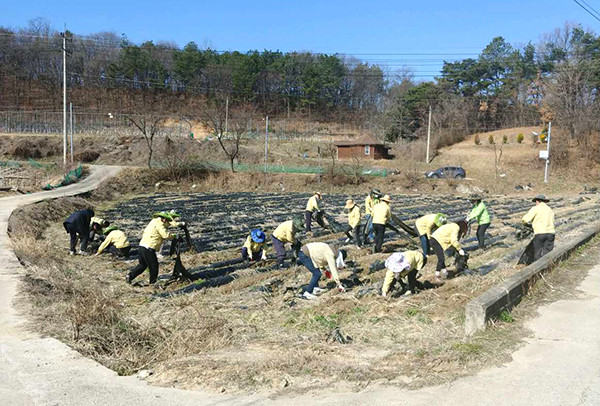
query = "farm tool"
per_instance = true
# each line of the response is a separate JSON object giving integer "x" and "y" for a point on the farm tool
{"x": 188, "y": 240}
{"x": 332, "y": 223}
{"x": 408, "y": 229}
{"x": 523, "y": 232}
{"x": 179, "y": 271}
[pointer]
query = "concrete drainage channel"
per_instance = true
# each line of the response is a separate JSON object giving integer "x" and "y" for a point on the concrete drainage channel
{"x": 507, "y": 294}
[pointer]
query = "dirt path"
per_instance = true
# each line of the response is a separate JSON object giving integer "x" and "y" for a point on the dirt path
{"x": 557, "y": 366}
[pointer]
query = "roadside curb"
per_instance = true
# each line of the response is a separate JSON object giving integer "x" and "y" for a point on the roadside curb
{"x": 507, "y": 294}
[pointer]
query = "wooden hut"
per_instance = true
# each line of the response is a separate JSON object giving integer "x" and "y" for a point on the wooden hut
{"x": 365, "y": 147}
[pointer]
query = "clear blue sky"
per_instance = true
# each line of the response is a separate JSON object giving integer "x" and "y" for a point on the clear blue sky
{"x": 353, "y": 27}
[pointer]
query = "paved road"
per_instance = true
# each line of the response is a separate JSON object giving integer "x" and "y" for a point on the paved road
{"x": 559, "y": 365}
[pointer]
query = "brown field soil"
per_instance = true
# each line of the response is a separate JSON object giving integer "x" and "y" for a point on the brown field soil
{"x": 255, "y": 334}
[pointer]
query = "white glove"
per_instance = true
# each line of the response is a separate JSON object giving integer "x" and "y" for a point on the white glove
{"x": 341, "y": 288}
{"x": 461, "y": 252}
{"x": 264, "y": 256}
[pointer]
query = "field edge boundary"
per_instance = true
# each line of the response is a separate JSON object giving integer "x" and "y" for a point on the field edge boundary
{"x": 507, "y": 294}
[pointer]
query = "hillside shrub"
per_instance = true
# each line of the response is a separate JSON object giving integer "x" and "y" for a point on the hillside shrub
{"x": 520, "y": 138}
{"x": 505, "y": 139}
{"x": 491, "y": 138}
{"x": 476, "y": 140}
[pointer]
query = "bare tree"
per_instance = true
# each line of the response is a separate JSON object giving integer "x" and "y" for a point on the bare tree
{"x": 570, "y": 96}
{"x": 214, "y": 117}
{"x": 149, "y": 125}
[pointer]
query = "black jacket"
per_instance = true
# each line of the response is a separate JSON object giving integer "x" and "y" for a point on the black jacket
{"x": 80, "y": 221}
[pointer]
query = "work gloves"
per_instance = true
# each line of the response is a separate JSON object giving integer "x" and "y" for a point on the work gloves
{"x": 264, "y": 256}
{"x": 461, "y": 252}
{"x": 181, "y": 224}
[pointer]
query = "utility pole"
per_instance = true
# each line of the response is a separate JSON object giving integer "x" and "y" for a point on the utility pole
{"x": 548, "y": 153}
{"x": 428, "y": 135}
{"x": 226, "y": 114}
{"x": 266, "y": 141}
{"x": 64, "y": 35}
{"x": 71, "y": 129}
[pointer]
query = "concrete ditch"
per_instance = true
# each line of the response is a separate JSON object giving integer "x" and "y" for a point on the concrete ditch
{"x": 507, "y": 294}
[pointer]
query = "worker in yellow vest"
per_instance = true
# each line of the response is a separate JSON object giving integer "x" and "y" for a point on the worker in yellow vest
{"x": 448, "y": 235}
{"x": 353, "y": 210}
{"x": 370, "y": 201}
{"x": 312, "y": 206}
{"x": 541, "y": 218}
{"x": 116, "y": 241}
{"x": 152, "y": 238}
{"x": 283, "y": 234}
{"x": 319, "y": 255}
{"x": 381, "y": 216}
{"x": 425, "y": 225}
{"x": 254, "y": 247}
{"x": 400, "y": 265}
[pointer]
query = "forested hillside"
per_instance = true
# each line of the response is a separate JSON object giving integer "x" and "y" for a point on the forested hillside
{"x": 505, "y": 85}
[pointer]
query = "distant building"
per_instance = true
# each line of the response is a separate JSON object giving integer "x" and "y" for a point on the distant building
{"x": 365, "y": 147}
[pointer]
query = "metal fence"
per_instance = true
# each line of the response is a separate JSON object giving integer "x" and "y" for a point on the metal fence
{"x": 51, "y": 122}
{"x": 109, "y": 124}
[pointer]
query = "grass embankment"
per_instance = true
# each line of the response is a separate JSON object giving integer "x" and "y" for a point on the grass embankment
{"x": 254, "y": 333}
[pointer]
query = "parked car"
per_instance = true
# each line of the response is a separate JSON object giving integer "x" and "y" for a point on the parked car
{"x": 455, "y": 172}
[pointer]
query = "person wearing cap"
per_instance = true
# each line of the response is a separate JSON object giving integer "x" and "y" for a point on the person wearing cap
{"x": 381, "y": 216}
{"x": 479, "y": 213}
{"x": 319, "y": 255}
{"x": 425, "y": 225}
{"x": 152, "y": 238}
{"x": 286, "y": 233}
{"x": 448, "y": 235}
{"x": 400, "y": 265}
{"x": 97, "y": 226}
{"x": 77, "y": 225}
{"x": 116, "y": 241}
{"x": 175, "y": 222}
{"x": 353, "y": 221}
{"x": 370, "y": 201}
{"x": 254, "y": 247}
{"x": 541, "y": 218}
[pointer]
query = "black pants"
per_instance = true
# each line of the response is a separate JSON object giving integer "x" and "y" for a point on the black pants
{"x": 147, "y": 258}
{"x": 424, "y": 244}
{"x": 308, "y": 219}
{"x": 542, "y": 244}
{"x": 439, "y": 252}
{"x": 119, "y": 252}
{"x": 357, "y": 232}
{"x": 74, "y": 235}
{"x": 413, "y": 283}
{"x": 481, "y": 229}
{"x": 379, "y": 233}
{"x": 279, "y": 247}
{"x": 254, "y": 256}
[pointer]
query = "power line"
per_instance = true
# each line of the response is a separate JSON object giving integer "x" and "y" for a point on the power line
{"x": 587, "y": 10}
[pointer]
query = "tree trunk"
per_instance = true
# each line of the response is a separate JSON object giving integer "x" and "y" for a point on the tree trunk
{"x": 231, "y": 159}
{"x": 150, "y": 158}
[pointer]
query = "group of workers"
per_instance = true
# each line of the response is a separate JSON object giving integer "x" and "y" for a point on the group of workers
{"x": 436, "y": 234}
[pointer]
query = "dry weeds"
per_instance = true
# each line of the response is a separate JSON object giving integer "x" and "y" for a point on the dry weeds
{"x": 255, "y": 333}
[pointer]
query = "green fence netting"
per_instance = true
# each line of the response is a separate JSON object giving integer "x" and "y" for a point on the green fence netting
{"x": 243, "y": 167}
{"x": 69, "y": 178}
{"x": 10, "y": 164}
